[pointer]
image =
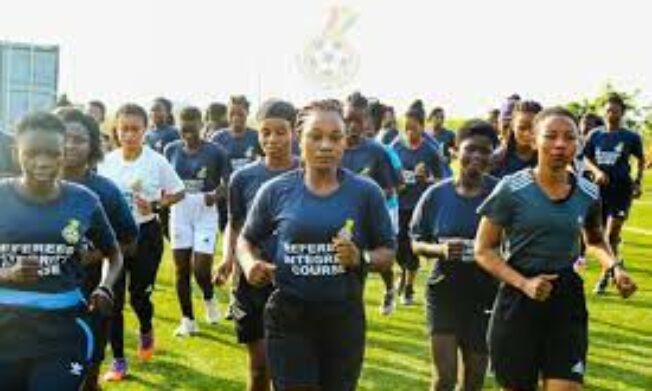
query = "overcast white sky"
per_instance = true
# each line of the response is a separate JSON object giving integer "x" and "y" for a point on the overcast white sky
{"x": 462, "y": 54}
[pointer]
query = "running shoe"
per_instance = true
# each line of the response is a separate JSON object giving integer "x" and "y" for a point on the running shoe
{"x": 212, "y": 311}
{"x": 408, "y": 295}
{"x": 118, "y": 371}
{"x": 146, "y": 346}
{"x": 387, "y": 306}
{"x": 187, "y": 327}
{"x": 602, "y": 284}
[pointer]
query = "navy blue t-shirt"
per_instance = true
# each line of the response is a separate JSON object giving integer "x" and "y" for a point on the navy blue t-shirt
{"x": 240, "y": 150}
{"x": 443, "y": 213}
{"x": 242, "y": 190}
{"x": 425, "y": 154}
{"x": 200, "y": 171}
{"x": 507, "y": 162}
{"x": 369, "y": 158}
{"x": 7, "y": 165}
{"x": 611, "y": 151}
{"x": 305, "y": 225}
{"x": 114, "y": 204}
{"x": 159, "y": 138}
{"x": 39, "y": 318}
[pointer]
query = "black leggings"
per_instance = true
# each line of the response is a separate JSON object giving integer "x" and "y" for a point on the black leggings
{"x": 142, "y": 269}
{"x": 187, "y": 262}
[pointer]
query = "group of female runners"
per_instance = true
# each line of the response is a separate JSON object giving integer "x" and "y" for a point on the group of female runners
{"x": 310, "y": 204}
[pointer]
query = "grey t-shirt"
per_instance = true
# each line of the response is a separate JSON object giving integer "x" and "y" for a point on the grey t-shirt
{"x": 541, "y": 234}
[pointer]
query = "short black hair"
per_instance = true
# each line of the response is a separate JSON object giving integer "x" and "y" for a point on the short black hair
{"x": 216, "y": 111}
{"x": 276, "y": 108}
{"x": 555, "y": 111}
{"x": 41, "y": 121}
{"x": 435, "y": 111}
{"x": 69, "y": 114}
{"x": 417, "y": 111}
{"x": 527, "y": 106}
{"x": 190, "y": 113}
{"x": 357, "y": 100}
{"x": 376, "y": 113}
{"x": 239, "y": 100}
{"x": 99, "y": 105}
{"x": 477, "y": 127}
{"x": 320, "y": 106}
{"x": 132, "y": 109}
{"x": 616, "y": 99}
{"x": 165, "y": 102}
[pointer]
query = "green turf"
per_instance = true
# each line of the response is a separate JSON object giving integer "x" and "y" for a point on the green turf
{"x": 397, "y": 356}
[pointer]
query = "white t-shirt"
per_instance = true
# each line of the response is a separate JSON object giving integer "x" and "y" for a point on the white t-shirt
{"x": 150, "y": 175}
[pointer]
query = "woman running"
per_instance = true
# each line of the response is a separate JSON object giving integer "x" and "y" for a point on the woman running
{"x": 162, "y": 131}
{"x": 518, "y": 151}
{"x": 539, "y": 323}
{"x": 148, "y": 182}
{"x": 324, "y": 218}
{"x": 83, "y": 150}
{"x": 204, "y": 169}
{"x": 459, "y": 294}
{"x": 445, "y": 137}
{"x": 239, "y": 141}
{"x": 607, "y": 153}
{"x": 46, "y": 227}
{"x": 367, "y": 157}
{"x": 421, "y": 165}
{"x": 276, "y": 119}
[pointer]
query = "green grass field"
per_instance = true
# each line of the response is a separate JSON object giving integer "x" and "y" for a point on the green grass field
{"x": 397, "y": 356}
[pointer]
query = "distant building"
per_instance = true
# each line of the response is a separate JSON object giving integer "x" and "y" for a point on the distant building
{"x": 29, "y": 78}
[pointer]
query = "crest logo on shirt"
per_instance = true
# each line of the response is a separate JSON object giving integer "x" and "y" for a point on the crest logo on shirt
{"x": 202, "y": 173}
{"x": 70, "y": 232}
{"x": 158, "y": 145}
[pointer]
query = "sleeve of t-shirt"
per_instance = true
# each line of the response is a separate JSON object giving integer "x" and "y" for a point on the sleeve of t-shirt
{"x": 421, "y": 228}
{"x": 637, "y": 147}
{"x": 259, "y": 224}
{"x": 383, "y": 171}
{"x": 120, "y": 217}
{"x": 225, "y": 165}
{"x": 589, "y": 147}
{"x": 236, "y": 200}
{"x": 499, "y": 206}
{"x": 100, "y": 232}
{"x": 170, "y": 181}
{"x": 167, "y": 152}
{"x": 436, "y": 165}
{"x": 379, "y": 225}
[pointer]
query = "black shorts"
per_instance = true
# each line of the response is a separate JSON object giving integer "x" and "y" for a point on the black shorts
{"x": 459, "y": 298}
{"x": 404, "y": 255}
{"x": 61, "y": 365}
{"x": 616, "y": 199}
{"x": 528, "y": 339}
{"x": 314, "y": 344}
{"x": 247, "y": 310}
